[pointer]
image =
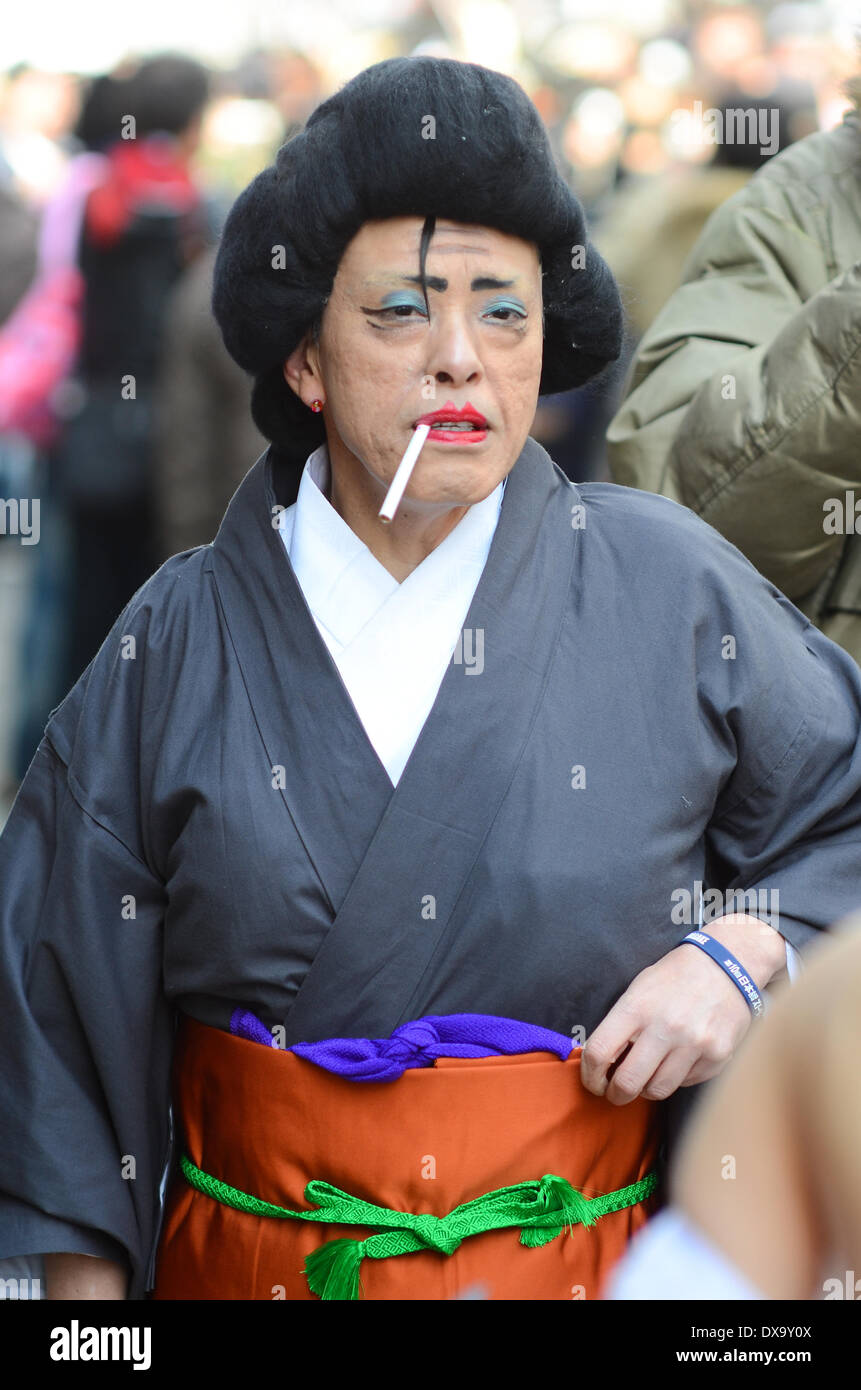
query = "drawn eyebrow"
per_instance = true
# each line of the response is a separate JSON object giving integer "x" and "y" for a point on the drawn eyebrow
{"x": 481, "y": 282}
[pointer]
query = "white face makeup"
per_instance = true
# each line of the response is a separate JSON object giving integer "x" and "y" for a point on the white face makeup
{"x": 382, "y": 363}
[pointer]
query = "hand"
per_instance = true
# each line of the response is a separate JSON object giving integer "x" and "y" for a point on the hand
{"x": 680, "y": 1020}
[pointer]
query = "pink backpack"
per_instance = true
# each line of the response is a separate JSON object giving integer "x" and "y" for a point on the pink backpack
{"x": 41, "y": 339}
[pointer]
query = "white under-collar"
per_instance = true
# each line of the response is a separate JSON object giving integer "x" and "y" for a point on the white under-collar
{"x": 391, "y": 642}
{"x": 342, "y": 580}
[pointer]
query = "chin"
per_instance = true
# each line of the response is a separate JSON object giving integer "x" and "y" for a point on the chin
{"x": 468, "y": 496}
{"x": 470, "y": 478}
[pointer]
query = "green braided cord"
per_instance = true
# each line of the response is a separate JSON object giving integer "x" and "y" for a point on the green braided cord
{"x": 624, "y": 1196}
{"x": 526, "y": 1204}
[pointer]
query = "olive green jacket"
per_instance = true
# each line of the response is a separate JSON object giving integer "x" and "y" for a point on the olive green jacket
{"x": 744, "y": 402}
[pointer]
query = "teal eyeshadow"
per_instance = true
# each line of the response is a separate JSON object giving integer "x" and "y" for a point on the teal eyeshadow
{"x": 506, "y": 304}
{"x": 398, "y": 297}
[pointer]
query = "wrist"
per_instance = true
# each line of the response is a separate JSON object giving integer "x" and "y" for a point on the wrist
{"x": 756, "y": 944}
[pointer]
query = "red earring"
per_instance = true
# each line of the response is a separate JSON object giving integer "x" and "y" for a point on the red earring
{"x": 316, "y": 406}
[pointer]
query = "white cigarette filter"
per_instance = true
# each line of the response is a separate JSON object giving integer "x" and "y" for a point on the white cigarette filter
{"x": 404, "y": 473}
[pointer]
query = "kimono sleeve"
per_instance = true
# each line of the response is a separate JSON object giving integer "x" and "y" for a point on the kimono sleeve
{"x": 86, "y": 1032}
{"x": 786, "y": 827}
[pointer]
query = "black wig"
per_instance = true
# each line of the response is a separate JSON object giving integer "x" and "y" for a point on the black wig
{"x": 424, "y": 137}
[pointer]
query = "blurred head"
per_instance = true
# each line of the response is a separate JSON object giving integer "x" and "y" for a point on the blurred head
{"x": 169, "y": 93}
{"x": 725, "y": 39}
{"x": 165, "y": 93}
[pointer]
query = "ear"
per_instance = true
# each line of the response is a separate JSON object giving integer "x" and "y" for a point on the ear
{"x": 302, "y": 371}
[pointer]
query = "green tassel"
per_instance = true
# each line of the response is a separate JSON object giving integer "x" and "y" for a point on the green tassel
{"x": 574, "y": 1209}
{"x": 332, "y": 1270}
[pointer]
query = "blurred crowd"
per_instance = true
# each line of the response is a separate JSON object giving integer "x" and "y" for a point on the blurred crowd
{"x": 120, "y": 410}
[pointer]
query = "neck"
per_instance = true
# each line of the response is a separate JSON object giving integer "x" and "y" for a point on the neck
{"x": 402, "y": 544}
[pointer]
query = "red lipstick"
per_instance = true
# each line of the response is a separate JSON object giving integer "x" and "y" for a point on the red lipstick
{"x": 470, "y": 426}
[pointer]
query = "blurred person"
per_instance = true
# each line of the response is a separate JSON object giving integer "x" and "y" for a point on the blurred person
{"x": 19, "y": 223}
{"x": 40, "y": 657}
{"x": 764, "y": 1185}
{"x": 37, "y": 112}
{"x": 653, "y": 223}
{"x": 93, "y": 476}
{"x": 38, "y": 345}
{"x": 803, "y": 45}
{"x": 728, "y": 40}
{"x": 205, "y": 438}
{"x": 295, "y": 85}
{"x": 744, "y": 398}
{"x": 645, "y": 227}
{"x": 571, "y": 426}
{"x": 144, "y": 223}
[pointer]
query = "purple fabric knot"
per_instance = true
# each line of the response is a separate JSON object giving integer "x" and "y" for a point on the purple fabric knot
{"x": 409, "y": 1043}
{"x": 413, "y": 1044}
{"x": 417, "y": 1043}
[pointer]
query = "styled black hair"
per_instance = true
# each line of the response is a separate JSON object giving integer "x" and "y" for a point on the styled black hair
{"x": 424, "y": 137}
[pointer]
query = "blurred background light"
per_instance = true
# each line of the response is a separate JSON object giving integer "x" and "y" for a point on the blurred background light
{"x": 596, "y": 51}
{"x": 664, "y": 63}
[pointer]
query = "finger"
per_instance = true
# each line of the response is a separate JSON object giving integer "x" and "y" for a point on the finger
{"x": 672, "y": 1073}
{"x": 606, "y": 1045}
{"x": 714, "y": 1057}
{"x": 705, "y": 1069}
{"x": 641, "y": 1063}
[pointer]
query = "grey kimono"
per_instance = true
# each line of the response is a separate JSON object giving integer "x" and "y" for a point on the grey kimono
{"x": 206, "y": 825}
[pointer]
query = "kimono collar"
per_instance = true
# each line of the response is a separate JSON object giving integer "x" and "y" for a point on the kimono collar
{"x": 343, "y": 581}
{"x": 248, "y": 542}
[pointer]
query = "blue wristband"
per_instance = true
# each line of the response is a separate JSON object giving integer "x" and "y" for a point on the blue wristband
{"x": 734, "y": 968}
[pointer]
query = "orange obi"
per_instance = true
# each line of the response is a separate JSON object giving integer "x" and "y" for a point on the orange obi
{"x": 263, "y": 1123}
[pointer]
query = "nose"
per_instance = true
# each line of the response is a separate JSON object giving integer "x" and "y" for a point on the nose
{"x": 452, "y": 356}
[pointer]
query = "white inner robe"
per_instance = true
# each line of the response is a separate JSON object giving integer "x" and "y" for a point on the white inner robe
{"x": 391, "y": 642}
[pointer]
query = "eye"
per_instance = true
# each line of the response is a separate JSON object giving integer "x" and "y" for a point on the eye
{"x": 513, "y": 315}
{"x": 399, "y": 311}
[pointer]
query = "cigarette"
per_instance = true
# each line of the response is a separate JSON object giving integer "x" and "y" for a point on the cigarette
{"x": 404, "y": 473}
